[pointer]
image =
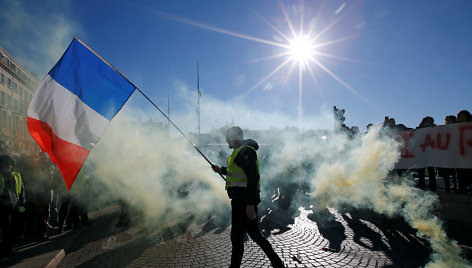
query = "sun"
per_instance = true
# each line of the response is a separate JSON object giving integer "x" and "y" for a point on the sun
{"x": 301, "y": 49}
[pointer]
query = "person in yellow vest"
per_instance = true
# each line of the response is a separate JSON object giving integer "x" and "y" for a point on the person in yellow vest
{"x": 243, "y": 187}
{"x": 11, "y": 202}
{"x": 18, "y": 216}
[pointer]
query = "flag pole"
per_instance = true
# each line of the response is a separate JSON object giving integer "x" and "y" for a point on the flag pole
{"x": 185, "y": 136}
{"x": 136, "y": 88}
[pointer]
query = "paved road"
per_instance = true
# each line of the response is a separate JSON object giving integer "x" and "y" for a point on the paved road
{"x": 359, "y": 239}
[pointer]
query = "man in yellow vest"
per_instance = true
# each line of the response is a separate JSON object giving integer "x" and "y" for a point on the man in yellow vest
{"x": 243, "y": 187}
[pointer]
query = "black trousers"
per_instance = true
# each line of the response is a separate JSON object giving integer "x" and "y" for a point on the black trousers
{"x": 422, "y": 180}
{"x": 464, "y": 179}
{"x": 64, "y": 210}
{"x": 240, "y": 225}
{"x": 446, "y": 173}
{"x": 7, "y": 234}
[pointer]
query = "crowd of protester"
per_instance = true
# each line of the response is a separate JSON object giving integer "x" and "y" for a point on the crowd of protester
{"x": 34, "y": 201}
{"x": 457, "y": 180}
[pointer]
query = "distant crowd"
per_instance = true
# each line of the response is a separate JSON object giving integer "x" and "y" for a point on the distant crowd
{"x": 457, "y": 180}
{"x": 34, "y": 201}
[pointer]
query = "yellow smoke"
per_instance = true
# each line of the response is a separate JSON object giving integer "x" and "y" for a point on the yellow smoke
{"x": 161, "y": 176}
{"x": 361, "y": 178}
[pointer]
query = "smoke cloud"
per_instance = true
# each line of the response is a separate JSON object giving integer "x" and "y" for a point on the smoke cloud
{"x": 217, "y": 112}
{"x": 161, "y": 176}
{"x": 168, "y": 180}
{"x": 356, "y": 172}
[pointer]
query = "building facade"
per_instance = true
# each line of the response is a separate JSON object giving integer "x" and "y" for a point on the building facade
{"x": 17, "y": 87}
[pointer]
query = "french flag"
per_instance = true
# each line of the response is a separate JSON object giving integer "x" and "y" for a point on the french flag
{"x": 73, "y": 105}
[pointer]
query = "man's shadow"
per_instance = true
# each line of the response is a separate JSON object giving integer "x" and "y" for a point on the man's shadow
{"x": 279, "y": 210}
{"x": 329, "y": 228}
{"x": 216, "y": 223}
{"x": 364, "y": 235}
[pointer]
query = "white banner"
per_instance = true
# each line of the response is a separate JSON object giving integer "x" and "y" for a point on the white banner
{"x": 447, "y": 146}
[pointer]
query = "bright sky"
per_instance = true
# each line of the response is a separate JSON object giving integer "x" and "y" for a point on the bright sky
{"x": 264, "y": 63}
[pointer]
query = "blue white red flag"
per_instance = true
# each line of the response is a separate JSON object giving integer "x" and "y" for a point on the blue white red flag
{"x": 73, "y": 105}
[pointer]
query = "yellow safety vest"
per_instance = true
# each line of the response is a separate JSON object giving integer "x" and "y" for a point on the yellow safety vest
{"x": 17, "y": 177}
{"x": 235, "y": 174}
{"x": 17, "y": 183}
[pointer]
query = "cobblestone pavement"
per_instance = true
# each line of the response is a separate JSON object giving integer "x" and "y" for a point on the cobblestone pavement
{"x": 353, "y": 239}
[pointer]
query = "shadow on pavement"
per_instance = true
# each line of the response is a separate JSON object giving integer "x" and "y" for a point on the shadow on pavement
{"x": 391, "y": 236}
{"x": 31, "y": 247}
{"x": 329, "y": 228}
{"x": 124, "y": 255}
{"x": 279, "y": 211}
{"x": 118, "y": 257}
{"x": 218, "y": 224}
{"x": 85, "y": 239}
{"x": 275, "y": 220}
{"x": 399, "y": 242}
{"x": 402, "y": 239}
{"x": 170, "y": 232}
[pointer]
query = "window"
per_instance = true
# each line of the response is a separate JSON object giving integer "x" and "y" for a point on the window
{"x": 14, "y": 87}
{"x": 9, "y": 82}
{"x": 3, "y": 99}
{"x": 2, "y": 78}
{"x": 3, "y": 119}
{"x": 15, "y": 123}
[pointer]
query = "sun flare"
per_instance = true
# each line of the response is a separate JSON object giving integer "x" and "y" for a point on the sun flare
{"x": 305, "y": 50}
{"x": 301, "y": 49}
